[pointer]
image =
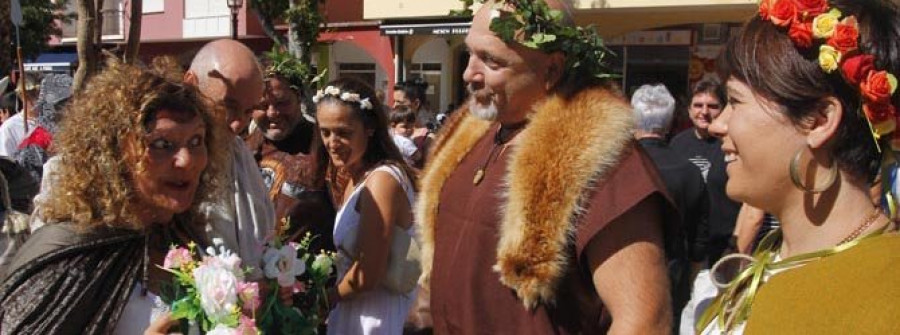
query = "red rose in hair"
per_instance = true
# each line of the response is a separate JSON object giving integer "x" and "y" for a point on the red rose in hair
{"x": 782, "y": 12}
{"x": 801, "y": 34}
{"x": 764, "y": 9}
{"x": 811, "y": 8}
{"x": 846, "y": 37}
{"x": 877, "y": 87}
{"x": 857, "y": 68}
{"x": 878, "y": 113}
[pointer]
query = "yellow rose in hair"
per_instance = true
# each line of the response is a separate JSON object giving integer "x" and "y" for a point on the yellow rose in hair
{"x": 823, "y": 25}
{"x": 884, "y": 127}
{"x": 829, "y": 58}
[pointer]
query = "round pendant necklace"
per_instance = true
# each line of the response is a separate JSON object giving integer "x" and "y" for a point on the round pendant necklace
{"x": 502, "y": 138}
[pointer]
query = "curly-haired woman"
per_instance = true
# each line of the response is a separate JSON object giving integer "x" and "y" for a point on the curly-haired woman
{"x": 139, "y": 151}
{"x": 810, "y": 117}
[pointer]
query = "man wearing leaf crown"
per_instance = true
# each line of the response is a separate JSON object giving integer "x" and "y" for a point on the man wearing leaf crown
{"x": 282, "y": 145}
{"x": 538, "y": 212}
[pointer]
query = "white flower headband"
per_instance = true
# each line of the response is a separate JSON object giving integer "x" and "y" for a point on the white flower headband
{"x": 345, "y": 96}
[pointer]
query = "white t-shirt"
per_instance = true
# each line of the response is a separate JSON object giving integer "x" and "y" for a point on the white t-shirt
{"x": 139, "y": 312}
{"x": 12, "y": 132}
{"x": 407, "y": 147}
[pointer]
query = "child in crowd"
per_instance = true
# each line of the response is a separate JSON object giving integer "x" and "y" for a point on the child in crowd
{"x": 402, "y": 120}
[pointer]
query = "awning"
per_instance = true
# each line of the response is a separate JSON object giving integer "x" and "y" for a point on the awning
{"x": 611, "y": 17}
{"x": 53, "y": 62}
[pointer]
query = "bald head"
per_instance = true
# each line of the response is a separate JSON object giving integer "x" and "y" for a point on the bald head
{"x": 227, "y": 72}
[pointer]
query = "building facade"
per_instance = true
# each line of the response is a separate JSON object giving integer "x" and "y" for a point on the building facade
{"x": 674, "y": 42}
{"x": 386, "y": 41}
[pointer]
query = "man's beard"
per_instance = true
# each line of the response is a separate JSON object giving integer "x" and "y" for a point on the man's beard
{"x": 487, "y": 112}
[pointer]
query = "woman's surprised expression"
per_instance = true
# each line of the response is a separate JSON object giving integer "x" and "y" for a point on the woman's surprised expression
{"x": 343, "y": 133}
{"x": 175, "y": 157}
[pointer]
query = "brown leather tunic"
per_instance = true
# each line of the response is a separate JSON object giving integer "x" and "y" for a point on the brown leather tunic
{"x": 289, "y": 171}
{"x": 467, "y": 296}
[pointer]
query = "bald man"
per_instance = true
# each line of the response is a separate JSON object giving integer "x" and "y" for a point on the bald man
{"x": 538, "y": 212}
{"x": 228, "y": 73}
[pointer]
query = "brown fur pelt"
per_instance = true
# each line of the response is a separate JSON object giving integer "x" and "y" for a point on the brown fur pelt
{"x": 567, "y": 147}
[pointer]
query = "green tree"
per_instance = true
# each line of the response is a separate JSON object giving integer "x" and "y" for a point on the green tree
{"x": 304, "y": 21}
{"x": 41, "y": 20}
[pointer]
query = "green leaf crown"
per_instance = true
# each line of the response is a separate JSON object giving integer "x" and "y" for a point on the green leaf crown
{"x": 535, "y": 25}
{"x": 283, "y": 64}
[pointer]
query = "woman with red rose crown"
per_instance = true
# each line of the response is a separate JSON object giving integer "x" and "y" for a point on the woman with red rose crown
{"x": 808, "y": 131}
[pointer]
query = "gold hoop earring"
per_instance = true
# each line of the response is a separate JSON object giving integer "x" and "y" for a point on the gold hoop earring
{"x": 795, "y": 175}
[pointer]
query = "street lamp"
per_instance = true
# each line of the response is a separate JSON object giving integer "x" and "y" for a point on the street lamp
{"x": 235, "y": 6}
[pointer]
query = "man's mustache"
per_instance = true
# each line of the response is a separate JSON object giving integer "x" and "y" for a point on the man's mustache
{"x": 480, "y": 95}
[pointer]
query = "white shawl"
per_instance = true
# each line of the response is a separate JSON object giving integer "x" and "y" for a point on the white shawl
{"x": 244, "y": 217}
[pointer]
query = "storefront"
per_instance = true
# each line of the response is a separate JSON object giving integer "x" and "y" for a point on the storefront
{"x": 432, "y": 52}
{"x": 674, "y": 42}
{"x": 678, "y": 56}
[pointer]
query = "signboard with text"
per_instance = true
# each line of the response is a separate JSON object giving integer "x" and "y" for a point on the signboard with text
{"x": 654, "y": 37}
{"x": 456, "y": 28}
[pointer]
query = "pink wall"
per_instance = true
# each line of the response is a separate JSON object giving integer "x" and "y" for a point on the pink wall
{"x": 163, "y": 26}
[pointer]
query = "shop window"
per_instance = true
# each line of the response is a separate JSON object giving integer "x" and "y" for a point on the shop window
{"x": 205, "y": 8}
{"x": 112, "y": 12}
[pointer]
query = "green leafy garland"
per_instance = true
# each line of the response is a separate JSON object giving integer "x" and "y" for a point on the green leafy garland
{"x": 298, "y": 74}
{"x": 541, "y": 28}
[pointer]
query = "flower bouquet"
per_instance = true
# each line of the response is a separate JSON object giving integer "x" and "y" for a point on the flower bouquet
{"x": 210, "y": 292}
{"x": 291, "y": 266}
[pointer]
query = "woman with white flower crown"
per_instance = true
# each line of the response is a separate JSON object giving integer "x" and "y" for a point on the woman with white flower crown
{"x": 809, "y": 127}
{"x": 373, "y": 230}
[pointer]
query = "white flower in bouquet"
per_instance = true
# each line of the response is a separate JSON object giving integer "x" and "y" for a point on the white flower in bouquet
{"x": 323, "y": 263}
{"x": 283, "y": 264}
{"x": 222, "y": 329}
{"x": 217, "y": 286}
{"x": 226, "y": 259}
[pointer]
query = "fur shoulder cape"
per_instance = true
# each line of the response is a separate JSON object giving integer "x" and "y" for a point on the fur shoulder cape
{"x": 567, "y": 147}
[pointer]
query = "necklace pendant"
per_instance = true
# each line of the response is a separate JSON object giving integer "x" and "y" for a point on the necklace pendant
{"x": 479, "y": 176}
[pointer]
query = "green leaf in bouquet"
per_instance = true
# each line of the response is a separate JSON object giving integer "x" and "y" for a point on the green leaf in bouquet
{"x": 184, "y": 278}
{"x": 233, "y": 319}
{"x": 185, "y": 308}
{"x": 206, "y": 325}
{"x": 307, "y": 240}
